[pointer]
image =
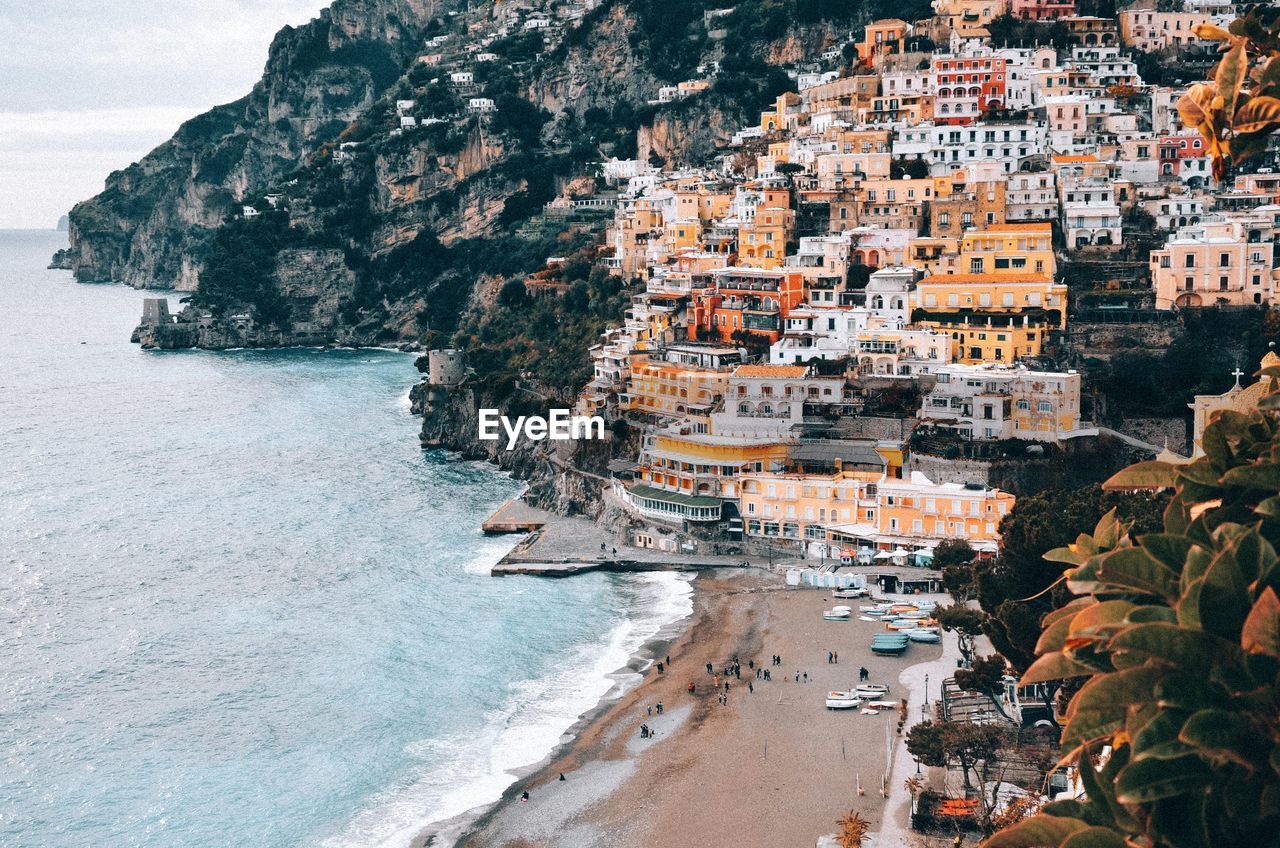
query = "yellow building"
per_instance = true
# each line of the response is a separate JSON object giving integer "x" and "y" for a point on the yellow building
{"x": 762, "y": 241}
{"x": 918, "y": 510}
{"x": 883, "y": 38}
{"x": 681, "y": 234}
{"x": 632, "y": 230}
{"x": 783, "y": 114}
{"x": 1008, "y": 248}
{"x": 991, "y": 317}
{"x": 702, "y": 203}
{"x": 876, "y": 509}
{"x": 1206, "y": 408}
{"x": 933, "y": 255}
{"x": 800, "y": 506}
{"x": 672, "y": 390}
{"x": 703, "y": 464}
{"x": 980, "y": 204}
{"x": 966, "y": 18}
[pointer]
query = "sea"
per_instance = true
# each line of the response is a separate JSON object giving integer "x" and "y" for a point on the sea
{"x": 241, "y": 606}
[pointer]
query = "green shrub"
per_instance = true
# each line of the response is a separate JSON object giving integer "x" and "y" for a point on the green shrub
{"x": 1176, "y": 637}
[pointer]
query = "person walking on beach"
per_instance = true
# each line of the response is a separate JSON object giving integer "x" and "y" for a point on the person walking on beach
{"x": 659, "y": 708}
{"x": 806, "y": 677}
{"x": 863, "y": 674}
{"x": 836, "y": 655}
{"x": 668, "y": 661}
{"x": 524, "y": 796}
{"x": 797, "y": 677}
{"x": 650, "y": 710}
{"x": 708, "y": 668}
{"x": 659, "y": 668}
{"x": 751, "y": 687}
{"x": 829, "y": 656}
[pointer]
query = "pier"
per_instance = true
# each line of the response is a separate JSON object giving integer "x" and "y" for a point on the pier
{"x": 563, "y": 546}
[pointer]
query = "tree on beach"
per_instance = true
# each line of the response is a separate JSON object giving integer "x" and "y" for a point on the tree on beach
{"x": 853, "y": 830}
{"x": 940, "y": 743}
{"x": 1175, "y": 638}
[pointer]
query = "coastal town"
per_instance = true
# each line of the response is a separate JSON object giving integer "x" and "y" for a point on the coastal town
{"x": 852, "y": 328}
{"x": 867, "y": 375}
{"x": 857, "y": 327}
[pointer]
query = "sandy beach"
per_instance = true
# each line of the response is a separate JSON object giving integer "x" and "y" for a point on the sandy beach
{"x": 771, "y": 768}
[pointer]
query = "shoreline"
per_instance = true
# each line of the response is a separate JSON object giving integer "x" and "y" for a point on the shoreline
{"x": 712, "y": 763}
{"x": 453, "y": 831}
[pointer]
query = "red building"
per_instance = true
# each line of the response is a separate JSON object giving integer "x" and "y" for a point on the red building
{"x": 966, "y": 87}
{"x": 757, "y": 300}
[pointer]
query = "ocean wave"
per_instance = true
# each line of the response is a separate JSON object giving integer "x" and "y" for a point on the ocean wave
{"x": 467, "y": 772}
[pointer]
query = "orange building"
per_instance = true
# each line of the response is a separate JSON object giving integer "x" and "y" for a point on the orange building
{"x": 757, "y": 300}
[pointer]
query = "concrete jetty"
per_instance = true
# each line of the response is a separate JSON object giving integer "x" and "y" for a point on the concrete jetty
{"x": 562, "y": 546}
{"x": 515, "y": 516}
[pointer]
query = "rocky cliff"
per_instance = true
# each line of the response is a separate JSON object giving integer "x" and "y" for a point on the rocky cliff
{"x": 149, "y": 226}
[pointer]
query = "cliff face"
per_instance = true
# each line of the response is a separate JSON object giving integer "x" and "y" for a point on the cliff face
{"x": 148, "y": 227}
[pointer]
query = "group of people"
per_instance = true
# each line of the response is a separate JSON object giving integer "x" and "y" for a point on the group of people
{"x": 833, "y": 657}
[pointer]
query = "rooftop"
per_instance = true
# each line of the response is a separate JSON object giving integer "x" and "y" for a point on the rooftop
{"x": 770, "y": 371}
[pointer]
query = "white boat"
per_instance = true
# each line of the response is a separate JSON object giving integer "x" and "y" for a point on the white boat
{"x": 836, "y": 614}
{"x": 917, "y": 614}
{"x": 841, "y": 608}
{"x": 871, "y": 690}
{"x": 874, "y": 609}
{"x": 843, "y": 701}
{"x": 903, "y": 624}
{"x": 849, "y": 593}
{"x": 923, "y": 634}
{"x": 883, "y": 705}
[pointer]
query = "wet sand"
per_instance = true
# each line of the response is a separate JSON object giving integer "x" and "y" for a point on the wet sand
{"x": 771, "y": 768}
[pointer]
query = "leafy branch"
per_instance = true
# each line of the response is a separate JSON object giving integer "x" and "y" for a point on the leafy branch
{"x": 1239, "y": 107}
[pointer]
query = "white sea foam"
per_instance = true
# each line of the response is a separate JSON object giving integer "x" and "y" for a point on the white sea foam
{"x": 488, "y": 551}
{"x": 472, "y": 771}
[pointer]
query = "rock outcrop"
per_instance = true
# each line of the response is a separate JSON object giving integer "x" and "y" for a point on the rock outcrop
{"x": 149, "y": 226}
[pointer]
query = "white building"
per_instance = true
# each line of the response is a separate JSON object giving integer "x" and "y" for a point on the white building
{"x": 1090, "y": 214}
{"x": 1031, "y": 196}
{"x": 991, "y": 401}
{"x": 953, "y": 148}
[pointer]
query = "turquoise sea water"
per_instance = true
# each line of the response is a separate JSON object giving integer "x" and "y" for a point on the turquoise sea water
{"x": 239, "y": 606}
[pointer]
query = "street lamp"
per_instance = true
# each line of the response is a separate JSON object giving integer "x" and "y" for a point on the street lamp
{"x": 926, "y": 688}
